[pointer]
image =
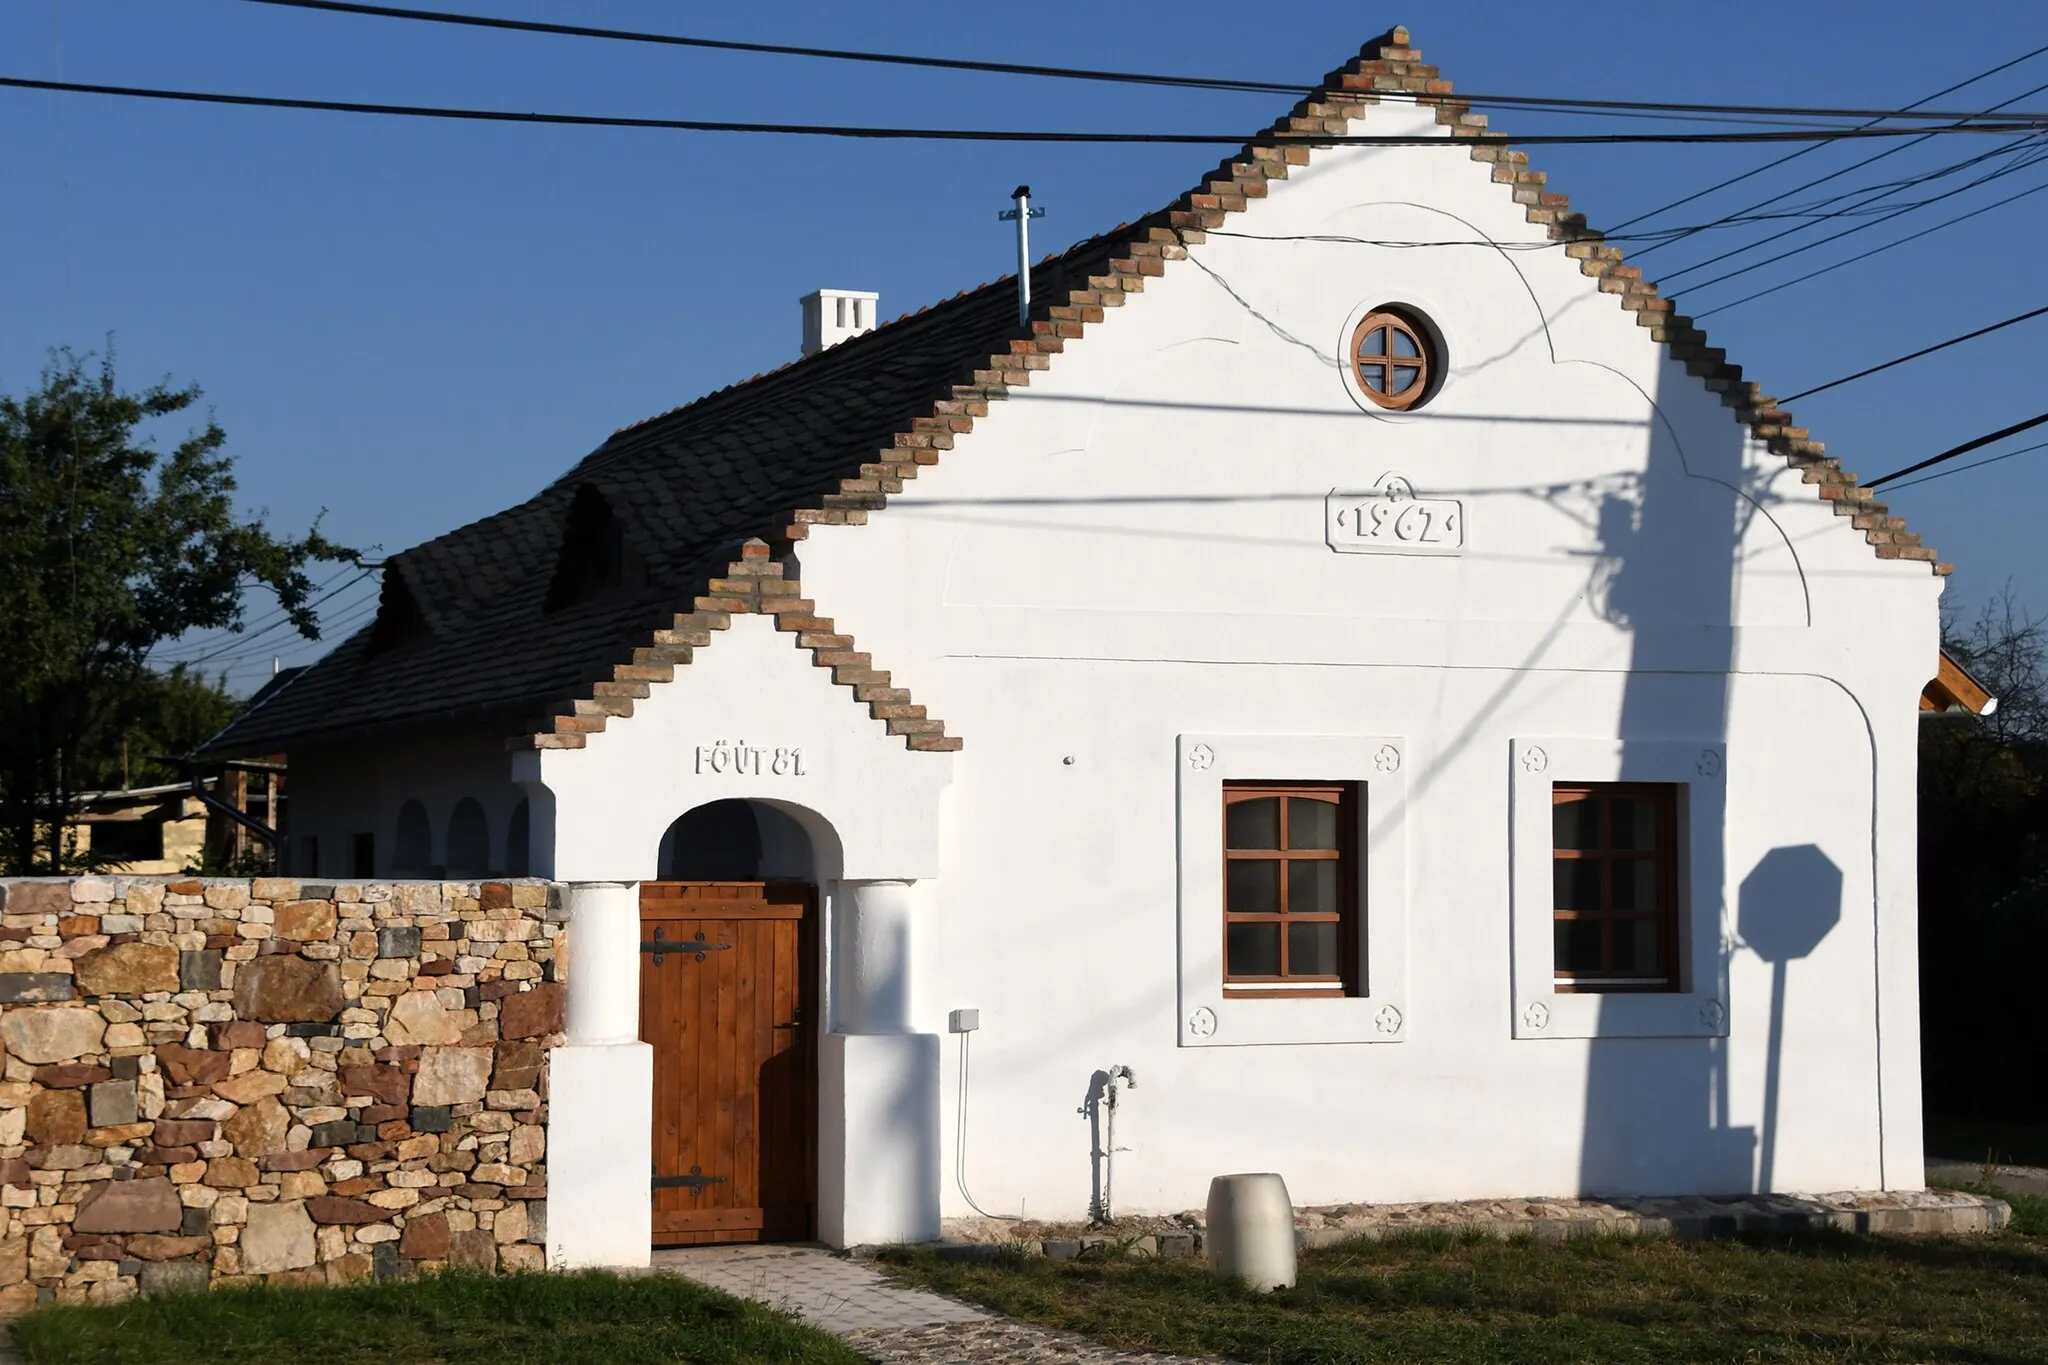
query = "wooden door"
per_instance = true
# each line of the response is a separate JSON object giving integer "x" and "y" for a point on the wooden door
{"x": 730, "y": 1013}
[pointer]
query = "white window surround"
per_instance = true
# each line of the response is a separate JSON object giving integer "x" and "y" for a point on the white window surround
{"x": 1379, "y": 765}
{"x": 1699, "y": 767}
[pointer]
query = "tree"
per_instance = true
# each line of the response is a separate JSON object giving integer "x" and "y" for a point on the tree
{"x": 1984, "y": 874}
{"x": 108, "y": 548}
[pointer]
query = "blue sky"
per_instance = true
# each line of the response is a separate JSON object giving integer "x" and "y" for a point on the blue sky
{"x": 411, "y": 325}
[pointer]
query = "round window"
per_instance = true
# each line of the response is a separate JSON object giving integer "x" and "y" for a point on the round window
{"x": 1395, "y": 359}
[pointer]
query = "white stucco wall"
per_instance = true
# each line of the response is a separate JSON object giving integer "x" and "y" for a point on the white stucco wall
{"x": 1132, "y": 552}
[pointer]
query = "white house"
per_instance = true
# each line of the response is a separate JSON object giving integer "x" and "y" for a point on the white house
{"x": 1419, "y": 708}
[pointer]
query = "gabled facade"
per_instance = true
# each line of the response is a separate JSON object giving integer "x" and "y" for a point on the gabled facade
{"x": 1418, "y": 707}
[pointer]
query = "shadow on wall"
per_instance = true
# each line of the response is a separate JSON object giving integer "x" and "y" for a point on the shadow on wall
{"x": 1667, "y": 556}
{"x": 1790, "y": 901}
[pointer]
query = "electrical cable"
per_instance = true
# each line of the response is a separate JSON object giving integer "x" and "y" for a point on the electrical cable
{"x": 1874, "y": 158}
{"x": 1963, "y": 449}
{"x": 241, "y": 640}
{"x": 1866, "y": 255}
{"x": 1898, "y": 211}
{"x": 2004, "y": 128}
{"x": 257, "y": 629}
{"x": 960, "y": 1143}
{"x": 1923, "y": 351}
{"x": 347, "y": 617}
{"x": 1793, "y": 156}
{"x": 265, "y": 622}
{"x": 1865, "y": 197}
{"x": 481, "y": 21}
{"x": 333, "y": 632}
{"x": 1966, "y": 468}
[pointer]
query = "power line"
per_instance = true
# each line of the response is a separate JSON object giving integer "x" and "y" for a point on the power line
{"x": 1925, "y": 350}
{"x": 1866, "y": 255}
{"x": 1877, "y": 157}
{"x": 2003, "y": 128}
{"x": 1963, "y": 449}
{"x": 1794, "y": 156}
{"x": 273, "y": 618}
{"x": 1075, "y": 73}
{"x": 1966, "y": 468}
{"x": 242, "y": 641}
{"x": 2019, "y": 164}
{"x": 1864, "y": 196}
{"x": 342, "y": 617}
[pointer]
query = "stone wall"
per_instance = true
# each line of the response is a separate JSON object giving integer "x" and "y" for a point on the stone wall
{"x": 223, "y": 1080}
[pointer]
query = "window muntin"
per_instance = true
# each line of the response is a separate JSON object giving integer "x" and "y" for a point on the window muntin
{"x": 1289, "y": 888}
{"x": 1394, "y": 359}
{"x": 1614, "y": 886}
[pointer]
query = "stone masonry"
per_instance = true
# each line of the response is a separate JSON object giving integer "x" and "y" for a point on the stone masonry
{"x": 218, "y": 1081}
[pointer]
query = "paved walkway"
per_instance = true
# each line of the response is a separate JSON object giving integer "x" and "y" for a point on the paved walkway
{"x": 883, "y": 1320}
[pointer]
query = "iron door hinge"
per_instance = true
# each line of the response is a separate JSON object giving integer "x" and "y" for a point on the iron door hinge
{"x": 694, "y": 1182}
{"x": 662, "y": 946}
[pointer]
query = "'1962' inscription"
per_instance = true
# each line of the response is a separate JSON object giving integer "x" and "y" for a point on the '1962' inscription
{"x": 1392, "y": 520}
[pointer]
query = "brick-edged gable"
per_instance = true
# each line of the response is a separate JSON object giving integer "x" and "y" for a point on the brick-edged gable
{"x": 1387, "y": 65}
{"x": 827, "y": 440}
{"x": 754, "y": 584}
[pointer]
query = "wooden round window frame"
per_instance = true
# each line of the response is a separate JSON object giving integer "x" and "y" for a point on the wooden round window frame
{"x": 1425, "y": 359}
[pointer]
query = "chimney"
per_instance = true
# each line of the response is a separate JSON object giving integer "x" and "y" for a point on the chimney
{"x": 835, "y": 315}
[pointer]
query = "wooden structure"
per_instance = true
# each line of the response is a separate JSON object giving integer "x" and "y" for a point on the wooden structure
{"x": 728, "y": 985}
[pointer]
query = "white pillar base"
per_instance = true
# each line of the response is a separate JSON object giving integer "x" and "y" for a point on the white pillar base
{"x": 600, "y": 1153}
{"x": 878, "y": 1132}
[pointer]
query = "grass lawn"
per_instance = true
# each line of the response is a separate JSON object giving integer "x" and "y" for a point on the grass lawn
{"x": 1473, "y": 1299}
{"x": 451, "y": 1319}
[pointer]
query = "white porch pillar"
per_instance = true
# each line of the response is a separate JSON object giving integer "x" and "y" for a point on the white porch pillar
{"x": 873, "y": 957}
{"x": 879, "y": 1081}
{"x": 601, "y": 1090}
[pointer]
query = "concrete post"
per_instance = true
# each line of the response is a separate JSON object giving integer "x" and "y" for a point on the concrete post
{"x": 601, "y": 1090}
{"x": 878, "y": 1081}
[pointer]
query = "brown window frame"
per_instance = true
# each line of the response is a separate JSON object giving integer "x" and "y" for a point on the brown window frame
{"x": 1664, "y": 978}
{"x": 1425, "y": 361}
{"x": 1348, "y": 798}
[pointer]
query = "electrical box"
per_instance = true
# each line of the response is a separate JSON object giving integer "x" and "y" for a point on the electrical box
{"x": 963, "y": 1021}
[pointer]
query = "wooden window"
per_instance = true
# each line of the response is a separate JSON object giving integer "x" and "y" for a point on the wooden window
{"x": 1290, "y": 888}
{"x": 1614, "y": 874}
{"x": 1394, "y": 359}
